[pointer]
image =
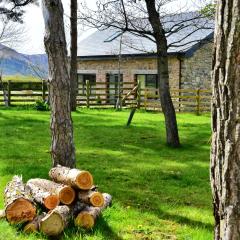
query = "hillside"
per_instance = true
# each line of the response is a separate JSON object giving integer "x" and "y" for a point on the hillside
{"x": 15, "y": 63}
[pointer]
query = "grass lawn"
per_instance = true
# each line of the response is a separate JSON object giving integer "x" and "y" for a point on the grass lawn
{"x": 158, "y": 192}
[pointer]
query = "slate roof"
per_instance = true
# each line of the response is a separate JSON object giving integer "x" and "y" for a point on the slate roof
{"x": 105, "y": 43}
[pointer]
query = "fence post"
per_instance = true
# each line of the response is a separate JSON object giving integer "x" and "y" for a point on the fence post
{"x": 87, "y": 92}
{"x": 43, "y": 90}
{"x": 9, "y": 93}
{"x": 139, "y": 94}
{"x": 198, "y": 101}
{"x": 145, "y": 98}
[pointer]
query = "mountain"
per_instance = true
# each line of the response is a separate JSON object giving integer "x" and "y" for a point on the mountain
{"x": 15, "y": 63}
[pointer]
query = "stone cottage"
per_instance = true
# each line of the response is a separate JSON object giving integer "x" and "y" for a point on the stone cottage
{"x": 189, "y": 62}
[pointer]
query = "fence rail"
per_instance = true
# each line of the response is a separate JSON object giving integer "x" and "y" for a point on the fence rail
{"x": 103, "y": 94}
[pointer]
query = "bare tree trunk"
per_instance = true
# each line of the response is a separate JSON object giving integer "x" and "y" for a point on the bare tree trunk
{"x": 119, "y": 99}
{"x": 73, "y": 59}
{"x": 62, "y": 149}
{"x": 225, "y": 152}
{"x": 163, "y": 76}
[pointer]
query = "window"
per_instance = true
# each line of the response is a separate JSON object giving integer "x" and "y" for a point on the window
{"x": 113, "y": 36}
{"x": 82, "y": 78}
{"x": 151, "y": 81}
{"x": 148, "y": 80}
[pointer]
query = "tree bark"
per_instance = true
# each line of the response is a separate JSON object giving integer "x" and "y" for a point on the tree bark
{"x": 163, "y": 75}
{"x": 73, "y": 59}
{"x": 62, "y": 148}
{"x": 225, "y": 151}
{"x": 19, "y": 205}
{"x": 73, "y": 177}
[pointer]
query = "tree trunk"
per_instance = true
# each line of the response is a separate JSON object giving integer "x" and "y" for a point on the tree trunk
{"x": 225, "y": 152}
{"x": 43, "y": 197}
{"x": 72, "y": 177}
{"x": 19, "y": 206}
{"x": 163, "y": 75}
{"x": 88, "y": 216}
{"x": 55, "y": 221}
{"x": 62, "y": 148}
{"x": 73, "y": 59}
{"x": 65, "y": 193}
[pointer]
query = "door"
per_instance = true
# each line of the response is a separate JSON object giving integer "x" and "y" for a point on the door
{"x": 112, "y": 88}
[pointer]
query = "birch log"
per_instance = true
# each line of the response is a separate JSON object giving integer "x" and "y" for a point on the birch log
{"x": 19, "y": 205}
{"x": 87, "y": 217}
{"x": 73, "y": 177}
{"x": 65, "y": 193}
{"x": 2, "y": 214}
{"x": 91, "y": 197}
{"x": 55, "y": 221}
{"x": 43, "y": 197}
{"x": 34, "y": 225}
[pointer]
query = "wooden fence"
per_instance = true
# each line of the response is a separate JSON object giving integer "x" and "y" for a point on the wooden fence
{"x": 105, "y": 95}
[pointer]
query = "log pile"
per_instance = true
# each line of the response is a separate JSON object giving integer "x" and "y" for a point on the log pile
{"x": 48, "y": 205}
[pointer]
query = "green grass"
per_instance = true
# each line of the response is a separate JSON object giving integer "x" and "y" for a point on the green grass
{"x": 158, "y": 192}
{"x": 21, "y": 78}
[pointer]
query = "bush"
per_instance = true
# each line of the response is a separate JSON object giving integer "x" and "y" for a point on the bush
{"x": 41, "y": 105}
{"x": 98, "y": 100}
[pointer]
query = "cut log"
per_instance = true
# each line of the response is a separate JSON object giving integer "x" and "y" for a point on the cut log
{"x": 87, "y": 217}
{"x": 77, "y": 207}
{"x": 72, "y": 177}
{"x": 19, "y": 205}
{"x": 55, "y": 221}
{"x": 43, "y": 197}
{"x": 2, "y": 214}
{"x": 65, "y": 193}
{"x": 34, "y": 225}
{"x": 91, "y": 197}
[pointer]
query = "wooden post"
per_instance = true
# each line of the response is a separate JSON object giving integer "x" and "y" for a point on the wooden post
{"x": 145, "y": 99}
{"x": 131, "y": 116}
{"x": 87, "y": 92}
{"x": 9, "y": 93}
{"x": 139, "y": 95}
{"x": 198, "y": 102}
{"x": 43, "y": 90}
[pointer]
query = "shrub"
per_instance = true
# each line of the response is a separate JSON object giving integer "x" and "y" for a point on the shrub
{"x": 41, "y": 105}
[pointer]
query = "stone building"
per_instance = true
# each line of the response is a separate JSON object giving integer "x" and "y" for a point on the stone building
{"x": 189, "y": 63}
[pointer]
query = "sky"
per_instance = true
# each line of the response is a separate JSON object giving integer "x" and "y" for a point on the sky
{"x": 34, "y": 25}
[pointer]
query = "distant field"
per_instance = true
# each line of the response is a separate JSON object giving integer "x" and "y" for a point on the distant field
{"x": 21, "y": 78}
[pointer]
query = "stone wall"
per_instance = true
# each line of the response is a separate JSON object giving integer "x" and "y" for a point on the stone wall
{"x": 129, "y": 68}
{"x": 196, "y": 70}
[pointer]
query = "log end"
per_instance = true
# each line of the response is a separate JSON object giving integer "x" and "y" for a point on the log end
{"x": 52, "y": 224}
{"x": 21, "y": 210}
{"x": 84, "y": 180}
{"x": 30, "y": 228}
{"x": 97, "y": 199}
{"x": 51, "y": 202}
{"x": 67, "y": 195}
{"x": 85, "y": 220}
